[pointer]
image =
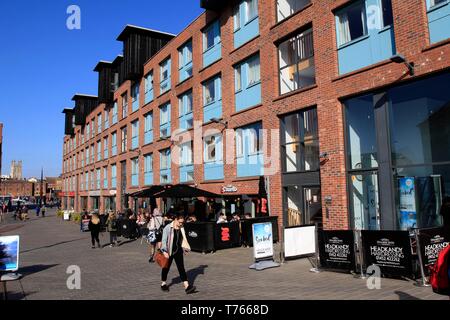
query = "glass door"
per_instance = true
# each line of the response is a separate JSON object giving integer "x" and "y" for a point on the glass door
{"x": 364, "y": 200}
{"x": 312, "y": 205}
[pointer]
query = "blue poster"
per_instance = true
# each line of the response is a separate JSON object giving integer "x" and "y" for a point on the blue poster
{"x": 408, "y": 211}
{"x": 262, "y": 240}
{"x": 9, "y": 253}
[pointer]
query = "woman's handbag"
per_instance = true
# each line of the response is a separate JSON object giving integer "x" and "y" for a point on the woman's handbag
{"x": 161, "y": 260}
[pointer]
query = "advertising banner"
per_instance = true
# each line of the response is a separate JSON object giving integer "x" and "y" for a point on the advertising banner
{"x": 432, "y": 241}
{"x": 408, "y": 211}
{"x": 299, "y": 241}
{"x": 337, "y": 249}
{"x": 9, "y": 253}
{"x": 227, "y": 235}
{"x": 262, "y": 240}
{"x": 389, "y": 250}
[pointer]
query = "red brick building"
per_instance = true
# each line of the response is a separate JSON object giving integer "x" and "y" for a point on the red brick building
{"x": 330, "y": 82}
{"x": 17, "y": 188}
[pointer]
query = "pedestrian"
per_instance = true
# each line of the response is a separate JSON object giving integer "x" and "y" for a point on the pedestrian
{"x": 445, "y": 212}
{"x": 111, "y": 223}
{"x": 43, "y": 211}
{"x": 1, "y": 214}
{"x": 94, "y": 228}
{"x": 155, "y": 227}
{"x": 174, "y": 247}
{"x": 38, "y": 210}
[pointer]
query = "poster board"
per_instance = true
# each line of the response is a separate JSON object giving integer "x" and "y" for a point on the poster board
{"x": 262, "y": 240}
{"x": 432, "y": 242}
{"x": 9, "y": 253}
{"x": 337, "y": 249}
{"x": 389, "y": 250}
{"x": 299, "y": 241}
{"x": 408, "y": 207}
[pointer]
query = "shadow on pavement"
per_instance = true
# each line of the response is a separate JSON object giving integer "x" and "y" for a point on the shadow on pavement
{"x": 52, "y": 245}
{"x": 192, "y": 275}
{"x": 17, "y": 295}
{"x": 405, "y": 296}
{"x": 35, "y": 269}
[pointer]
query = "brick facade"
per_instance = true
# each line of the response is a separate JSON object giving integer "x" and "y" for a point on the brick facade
{"x": 412, "y": 41}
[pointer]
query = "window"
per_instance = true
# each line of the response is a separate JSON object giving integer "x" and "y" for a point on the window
{"x": 93, "y": 128}
{"x": 210, "y": 149}
{"x": 352, "y": 23}
{"x": 114, "y": 113}
{"x": 185, "y": 111}
{"x": 186, "y": 155}
{"x": 249, "y": 147}
{"x": 210, "y": 92}
{"x": 135, "y": 134}
{"x": 124, "y": 105}
{"x": 106, "y": 119}
{"x": 251, "y": 10}
{"x": 185, "y": 61}
{"x": 88, "y": 131}
{"x": 124, "y": 139}
{"x": 164, "y": 120}
{"x": 87, "y": 156}
{"x": 300, "y": 142}
{"x": 149, "y": 88}
{"x": 135, "y": 97}
{"x": 135, "y": 172}
{"x": 286, "y": 8}
{"x": 248, "y": 83}
{"x": 165, "y": 76}
{"x": 237, "y": 18}
{"x": 148, "y": 169}
{"x": 105, "y": 177}
{"x": 165, "y": 159}
{"x": 105, "y": 148}
{"x": 438, "y": 13}
{"x": 148, "y": 129}
{"x": 113, "y": 176}
{"x": 114, "y": 144}
{"x": 253, "y": 71}
{"x": 99, "y": 150}
{"x": 211, "y": 36}
{"x": 436, "y": 2}
{"x": 97, "y": 180}
{"x": 92, "y": 154}
{"x": 388, "y": 19}
{"x": 99, "y": 123}
{"x": 86, "y": 176}
{"x": 296, "y": 62}
{"x": 238, "y": 76}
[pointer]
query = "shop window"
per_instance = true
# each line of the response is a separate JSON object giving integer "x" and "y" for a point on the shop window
{"x": 296, "y": 58}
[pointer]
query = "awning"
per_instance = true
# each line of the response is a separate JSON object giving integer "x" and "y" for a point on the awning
{"x": 185, "y": 191}
{"x": 147, "y": 193}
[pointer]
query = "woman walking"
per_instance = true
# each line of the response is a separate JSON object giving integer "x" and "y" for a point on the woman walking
{"x": 94, "y": 227}
{"x": 111, "y": 223}
{"x": 174, "y": 246}
{"x": 155, "y": 232}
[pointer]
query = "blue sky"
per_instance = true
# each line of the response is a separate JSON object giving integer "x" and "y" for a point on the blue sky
{"x": 43, "y": 64}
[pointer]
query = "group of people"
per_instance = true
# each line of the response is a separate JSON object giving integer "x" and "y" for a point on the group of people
{"x": 164, "y": 233}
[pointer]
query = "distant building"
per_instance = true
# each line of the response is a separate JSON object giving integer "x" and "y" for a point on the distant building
{"x": 16, "y": 170}
{"x": 17, "y": 188}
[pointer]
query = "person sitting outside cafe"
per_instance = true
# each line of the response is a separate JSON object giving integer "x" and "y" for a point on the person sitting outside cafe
{"x": 222, "y": 218}
{"x": 191, "y": 218}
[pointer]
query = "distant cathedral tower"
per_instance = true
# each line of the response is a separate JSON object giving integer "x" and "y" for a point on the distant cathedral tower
{"x": 16, "y": 170}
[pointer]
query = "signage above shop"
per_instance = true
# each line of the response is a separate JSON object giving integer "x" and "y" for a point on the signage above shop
{"x": 229, "y": 189}
{"x": 112, "y": 192}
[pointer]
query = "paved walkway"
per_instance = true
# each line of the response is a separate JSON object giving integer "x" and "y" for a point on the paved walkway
{"x": 49, "y": 246}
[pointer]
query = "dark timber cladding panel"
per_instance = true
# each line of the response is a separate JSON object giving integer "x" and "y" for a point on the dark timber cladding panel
{"x": 105, "y": 84}
{"x": 213, "y": 4}
{"x": 83, "y": 107}
{"x": 69, "y": 129}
